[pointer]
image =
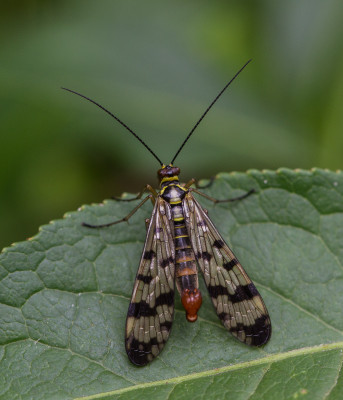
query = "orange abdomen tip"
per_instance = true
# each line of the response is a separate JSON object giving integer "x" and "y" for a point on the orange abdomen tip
{"x": 191, "y": 301}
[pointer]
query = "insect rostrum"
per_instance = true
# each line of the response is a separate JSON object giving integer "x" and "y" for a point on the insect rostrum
{"x": 180, "y": 238}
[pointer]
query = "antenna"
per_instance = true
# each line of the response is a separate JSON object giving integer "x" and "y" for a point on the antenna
{"x": 117, "y": 119}
{"x": 207, "y": 110}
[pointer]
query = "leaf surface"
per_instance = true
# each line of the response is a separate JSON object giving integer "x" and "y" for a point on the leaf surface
{"x": 64, "y": 296}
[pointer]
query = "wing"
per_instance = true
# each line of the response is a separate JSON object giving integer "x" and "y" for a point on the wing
{"x": 151, "y": 310}
{"x": 235, "y": 298}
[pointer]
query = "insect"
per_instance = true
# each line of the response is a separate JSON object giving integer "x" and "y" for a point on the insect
{"x": 180, "y": 236}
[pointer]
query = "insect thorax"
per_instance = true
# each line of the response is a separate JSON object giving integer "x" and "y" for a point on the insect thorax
{"x": 173, "y": 193}
{"x": 171, "y": 190}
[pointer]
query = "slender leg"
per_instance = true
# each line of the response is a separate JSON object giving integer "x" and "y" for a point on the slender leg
{"x": 251, "y": 191}
{"x": 125, "y": 219}
{"x": 146, "y": 188}
{"x": 195, "y": 182}
{"x": 190, "y": 183}
{"x": 209, "y": 184}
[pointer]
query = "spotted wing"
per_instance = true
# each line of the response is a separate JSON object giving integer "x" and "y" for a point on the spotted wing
{"x": 237, "y": 302}
{"x": 151, "y": 310}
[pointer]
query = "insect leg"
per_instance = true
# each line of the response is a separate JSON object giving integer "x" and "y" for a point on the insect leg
{"x": 125, "y": 219}
{"x": 190, "y": 183}
{"x": 139, "y": 195}
{"x": 209, "y": 184}
{"x": 251, "y": 191}
{"x": 193, "y": 181}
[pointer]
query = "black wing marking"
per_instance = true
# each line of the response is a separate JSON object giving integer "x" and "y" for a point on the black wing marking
{"x": 237, "y": 302}
{"x": 151, "y": 310}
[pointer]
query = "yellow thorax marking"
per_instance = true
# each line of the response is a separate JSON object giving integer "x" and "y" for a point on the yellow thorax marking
{"x": 172, "y": 184}
{"x": 168, "y": 179}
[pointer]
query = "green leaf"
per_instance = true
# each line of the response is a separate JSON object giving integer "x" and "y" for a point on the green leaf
{"x": 64, "y": 297}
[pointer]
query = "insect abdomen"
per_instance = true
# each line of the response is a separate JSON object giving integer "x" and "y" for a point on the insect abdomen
{"x": 186, "y": 269}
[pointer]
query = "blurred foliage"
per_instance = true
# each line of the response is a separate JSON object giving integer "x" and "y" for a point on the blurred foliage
{"x": 157, "y": 66}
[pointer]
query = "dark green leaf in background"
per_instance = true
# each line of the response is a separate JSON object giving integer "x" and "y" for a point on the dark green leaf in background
{"x": 64, "y": 296}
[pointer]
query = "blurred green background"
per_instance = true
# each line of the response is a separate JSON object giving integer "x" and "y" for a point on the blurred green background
{"x": 157, "y": 65}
